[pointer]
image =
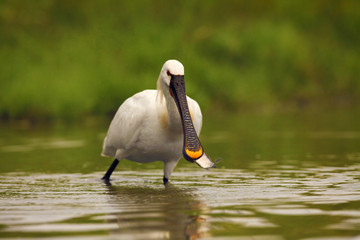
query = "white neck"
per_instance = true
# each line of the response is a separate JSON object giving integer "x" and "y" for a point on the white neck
{"x": 173, "y": 116}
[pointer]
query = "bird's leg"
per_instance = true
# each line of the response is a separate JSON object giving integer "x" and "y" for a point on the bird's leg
{"x": 168, "y": 169}
{"x": 108, "y": 173}
{"x": 165, "y": 180}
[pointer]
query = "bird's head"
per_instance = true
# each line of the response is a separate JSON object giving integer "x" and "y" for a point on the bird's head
{"x": 171, "y": 80}
{"x": 170, "y": 68}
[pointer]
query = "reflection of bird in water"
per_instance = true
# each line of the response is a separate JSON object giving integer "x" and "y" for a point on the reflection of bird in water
{"x": 196, "y": 228}
{"x": 158, "y": 125}
{"x": 157, "y": 213}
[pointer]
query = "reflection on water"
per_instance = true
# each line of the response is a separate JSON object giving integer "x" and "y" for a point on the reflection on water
{"x": 281, "y": 202}
{"x": 149, "y": 212}
{"x": 71, "y": 204}
{"x": 38, "y": 144}
{"x": 281, "y": 177}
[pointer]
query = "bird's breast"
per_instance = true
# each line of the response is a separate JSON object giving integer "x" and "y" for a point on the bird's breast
{"x": 163, "y": 120}
{"x": 170, "y": 125}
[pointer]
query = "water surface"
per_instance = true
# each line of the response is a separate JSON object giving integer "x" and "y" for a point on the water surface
{"x": 282, "y": 177}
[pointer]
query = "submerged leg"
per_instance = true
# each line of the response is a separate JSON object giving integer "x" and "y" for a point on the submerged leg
{"x": 168, "y": 168}
{"x": 112, "y": 167}
{"x": 165, "y": 180}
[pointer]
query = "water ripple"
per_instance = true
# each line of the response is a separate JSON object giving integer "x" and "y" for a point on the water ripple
{"x": 241, "y": 204}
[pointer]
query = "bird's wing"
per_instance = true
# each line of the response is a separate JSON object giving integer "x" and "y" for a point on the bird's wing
{"x": 126, "y": 125}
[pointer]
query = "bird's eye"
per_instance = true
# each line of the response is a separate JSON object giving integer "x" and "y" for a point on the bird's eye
{"x": 168, "y": 72}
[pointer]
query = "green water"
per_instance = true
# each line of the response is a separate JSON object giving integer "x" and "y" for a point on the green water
{"x": 283, "y": 176}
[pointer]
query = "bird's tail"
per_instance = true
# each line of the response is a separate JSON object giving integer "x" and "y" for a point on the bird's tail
{"x": 108, "y": 151}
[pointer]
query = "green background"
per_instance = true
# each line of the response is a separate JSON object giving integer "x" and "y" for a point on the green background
{"x": 71, "y": 60}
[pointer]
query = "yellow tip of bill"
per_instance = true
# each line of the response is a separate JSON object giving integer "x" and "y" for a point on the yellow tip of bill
{"x": 194, "y": 154}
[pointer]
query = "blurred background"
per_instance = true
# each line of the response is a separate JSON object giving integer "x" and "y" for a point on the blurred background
{"x": 278, "y": 85}
{"x": 71, "y": 60}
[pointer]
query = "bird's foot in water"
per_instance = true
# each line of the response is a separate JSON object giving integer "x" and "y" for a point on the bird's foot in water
{"x": 165, "y": 180}
{"x": 106, "y": 181}
{"x": 106, "y": 177}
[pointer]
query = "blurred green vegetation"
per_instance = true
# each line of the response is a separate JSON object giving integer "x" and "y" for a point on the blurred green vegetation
{"x": 64, "y": 59}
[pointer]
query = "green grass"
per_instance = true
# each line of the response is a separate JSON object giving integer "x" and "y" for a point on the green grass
{"x": 73, "y": 59}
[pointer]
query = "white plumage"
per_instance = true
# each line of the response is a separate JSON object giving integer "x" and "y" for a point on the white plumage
{"x": 148, "y": 126}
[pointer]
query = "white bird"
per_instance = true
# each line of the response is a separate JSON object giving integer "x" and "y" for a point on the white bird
{"x": 158, "y": 125}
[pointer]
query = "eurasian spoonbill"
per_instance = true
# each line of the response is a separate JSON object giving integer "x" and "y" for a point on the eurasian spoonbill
{"x": 158, "y": 125}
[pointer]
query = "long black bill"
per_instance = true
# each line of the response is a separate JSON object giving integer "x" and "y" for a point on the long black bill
{"x": 192, "y": 149}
